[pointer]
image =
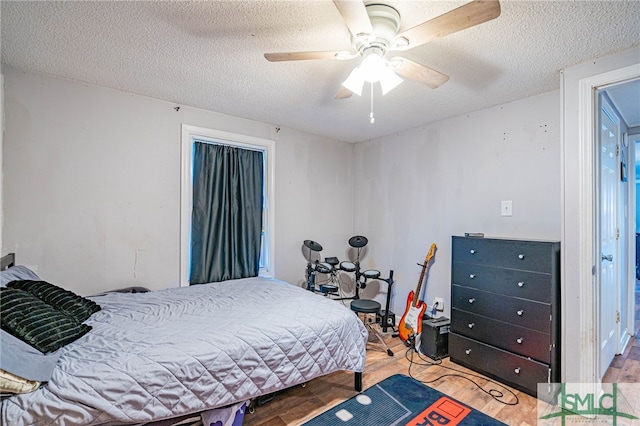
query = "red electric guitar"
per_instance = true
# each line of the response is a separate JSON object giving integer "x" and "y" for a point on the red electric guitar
{"x": 410, "y": 325}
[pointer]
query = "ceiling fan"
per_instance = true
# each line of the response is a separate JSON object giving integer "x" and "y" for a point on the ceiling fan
{"x": 375, "y": 32}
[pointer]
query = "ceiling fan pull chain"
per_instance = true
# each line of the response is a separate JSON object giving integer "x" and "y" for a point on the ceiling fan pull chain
{"x": 371, "y": 117}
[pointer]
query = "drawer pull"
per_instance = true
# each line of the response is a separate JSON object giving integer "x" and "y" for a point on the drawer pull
{"x": 471, "y": 325}
{"x": 472, "y": 276}
{"x": 468, "y": 351}
{"x": 521, "y": 284}
{"x": 517, "y": 370}
{"x": 521, "y": 256}
{"x": 520, "y": 340}
{"x": 472, "y": 300}
{"x": 472, "y": 251}
{"x": 520, "y": 312}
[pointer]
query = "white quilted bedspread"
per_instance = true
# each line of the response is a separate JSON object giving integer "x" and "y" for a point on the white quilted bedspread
{"x": 157, "y": 355}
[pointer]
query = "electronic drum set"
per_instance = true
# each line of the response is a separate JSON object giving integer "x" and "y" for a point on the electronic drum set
{"x": 332, "y": 266}
{"x": 330, "y": 288}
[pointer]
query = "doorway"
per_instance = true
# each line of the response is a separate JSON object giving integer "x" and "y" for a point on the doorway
{"x": 580, "y": 258}
{"x": 618, "y": 111}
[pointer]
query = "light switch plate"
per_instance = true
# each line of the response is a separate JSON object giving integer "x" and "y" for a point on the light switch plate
{"x": 506, "y": 208}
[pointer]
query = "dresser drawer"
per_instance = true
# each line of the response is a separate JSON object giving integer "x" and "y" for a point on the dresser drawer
{"x": 523, "y": 341}
{"x": 512, "y": 310}
{"x": 511, "y": 282}
{"x": 515, "y": 370}
{"x": 538, "y": 256}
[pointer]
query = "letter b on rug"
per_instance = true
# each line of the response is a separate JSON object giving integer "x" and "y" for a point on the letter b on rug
{"x": 444, "y": 411}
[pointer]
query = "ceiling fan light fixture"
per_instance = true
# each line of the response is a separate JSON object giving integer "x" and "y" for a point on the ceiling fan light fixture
{"x": 355, "y": 81}
{"x": 389, "y": 80}
{"x": 373, "y": 66}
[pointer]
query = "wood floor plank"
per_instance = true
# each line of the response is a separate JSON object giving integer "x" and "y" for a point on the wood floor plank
{"x": 630, "y": 372}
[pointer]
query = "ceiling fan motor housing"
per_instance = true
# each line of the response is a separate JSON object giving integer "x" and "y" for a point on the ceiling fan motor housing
{"x": 385, "y": 21}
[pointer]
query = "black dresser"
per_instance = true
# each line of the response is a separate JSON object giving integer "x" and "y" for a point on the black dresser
{"x": 505, "y": 312}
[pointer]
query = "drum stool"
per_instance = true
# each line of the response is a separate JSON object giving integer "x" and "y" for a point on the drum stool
{"x": 367, "y": 306}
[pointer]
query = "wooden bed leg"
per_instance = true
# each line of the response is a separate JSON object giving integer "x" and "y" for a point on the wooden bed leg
{"x": 358, "y": 381}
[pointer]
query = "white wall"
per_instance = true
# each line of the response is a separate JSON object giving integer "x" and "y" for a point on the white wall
{"x": 314, "y": 199}
{"x": 92, "y": 184}
{"x": 424, "y": 185}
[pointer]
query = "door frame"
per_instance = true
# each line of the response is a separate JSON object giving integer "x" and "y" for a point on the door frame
{"x": 633, "y": 136}
{"x": 579, "y": 202}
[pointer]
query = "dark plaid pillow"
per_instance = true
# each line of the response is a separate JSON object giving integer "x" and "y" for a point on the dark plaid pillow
{"x": 33, "y": 321}
{"x": 68, "y": 302}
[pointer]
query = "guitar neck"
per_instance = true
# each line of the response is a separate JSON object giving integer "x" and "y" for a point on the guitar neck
{"x": 425, "y": 267}
{"x": 416, "y": 298}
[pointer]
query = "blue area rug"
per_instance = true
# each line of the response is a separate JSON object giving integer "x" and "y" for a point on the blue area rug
{"x": 401, "y": 400}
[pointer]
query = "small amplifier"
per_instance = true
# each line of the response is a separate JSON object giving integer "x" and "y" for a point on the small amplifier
{"x": 434, "y": 340}
{"x": 391, "y": 319}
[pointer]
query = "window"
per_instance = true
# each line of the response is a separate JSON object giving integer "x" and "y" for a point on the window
{"x": 192, "y": 134}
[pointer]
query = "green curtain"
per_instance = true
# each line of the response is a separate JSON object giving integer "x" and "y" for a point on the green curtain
{"x": 226, "y": 223}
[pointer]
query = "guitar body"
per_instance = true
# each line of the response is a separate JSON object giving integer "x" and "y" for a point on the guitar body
{"x": 410, "y": 326}
{"x": 411, "y": 322}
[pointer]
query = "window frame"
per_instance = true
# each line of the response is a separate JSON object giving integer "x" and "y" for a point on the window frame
{"x": 192, "y": 134}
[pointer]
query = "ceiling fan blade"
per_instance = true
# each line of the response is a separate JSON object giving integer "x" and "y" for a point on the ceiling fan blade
{"x": 466, "y": 16}
{"x": 302, "y": 56}
{"x": 343, "y": 93}
{"x": 415, "y": 71}
{"x": 355, "y": 16}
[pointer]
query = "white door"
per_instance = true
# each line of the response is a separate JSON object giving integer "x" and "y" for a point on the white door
{"x": 608, "y": 137}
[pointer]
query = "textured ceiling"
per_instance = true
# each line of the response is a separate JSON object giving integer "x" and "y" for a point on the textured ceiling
{"x": 210, "y": 55}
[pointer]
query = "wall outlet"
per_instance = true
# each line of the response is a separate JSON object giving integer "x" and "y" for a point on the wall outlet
{"x": 438, "y": 303}
{"x": 370, "y": 318}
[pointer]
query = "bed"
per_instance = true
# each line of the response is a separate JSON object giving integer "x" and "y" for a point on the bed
{"x": 165, "y": 354}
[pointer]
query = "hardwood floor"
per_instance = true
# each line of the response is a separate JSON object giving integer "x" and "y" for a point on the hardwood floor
{"x": 299, "y": 404}
{"x": 625, "y": 368}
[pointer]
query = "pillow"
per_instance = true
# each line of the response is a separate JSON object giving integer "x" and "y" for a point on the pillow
{"x": 18, "y": 272}
{"x": 66, "y": 301}
{"x": 10, "y": 383}
{"x": 36, "y": 323}
{"x": 21, "y": 359}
